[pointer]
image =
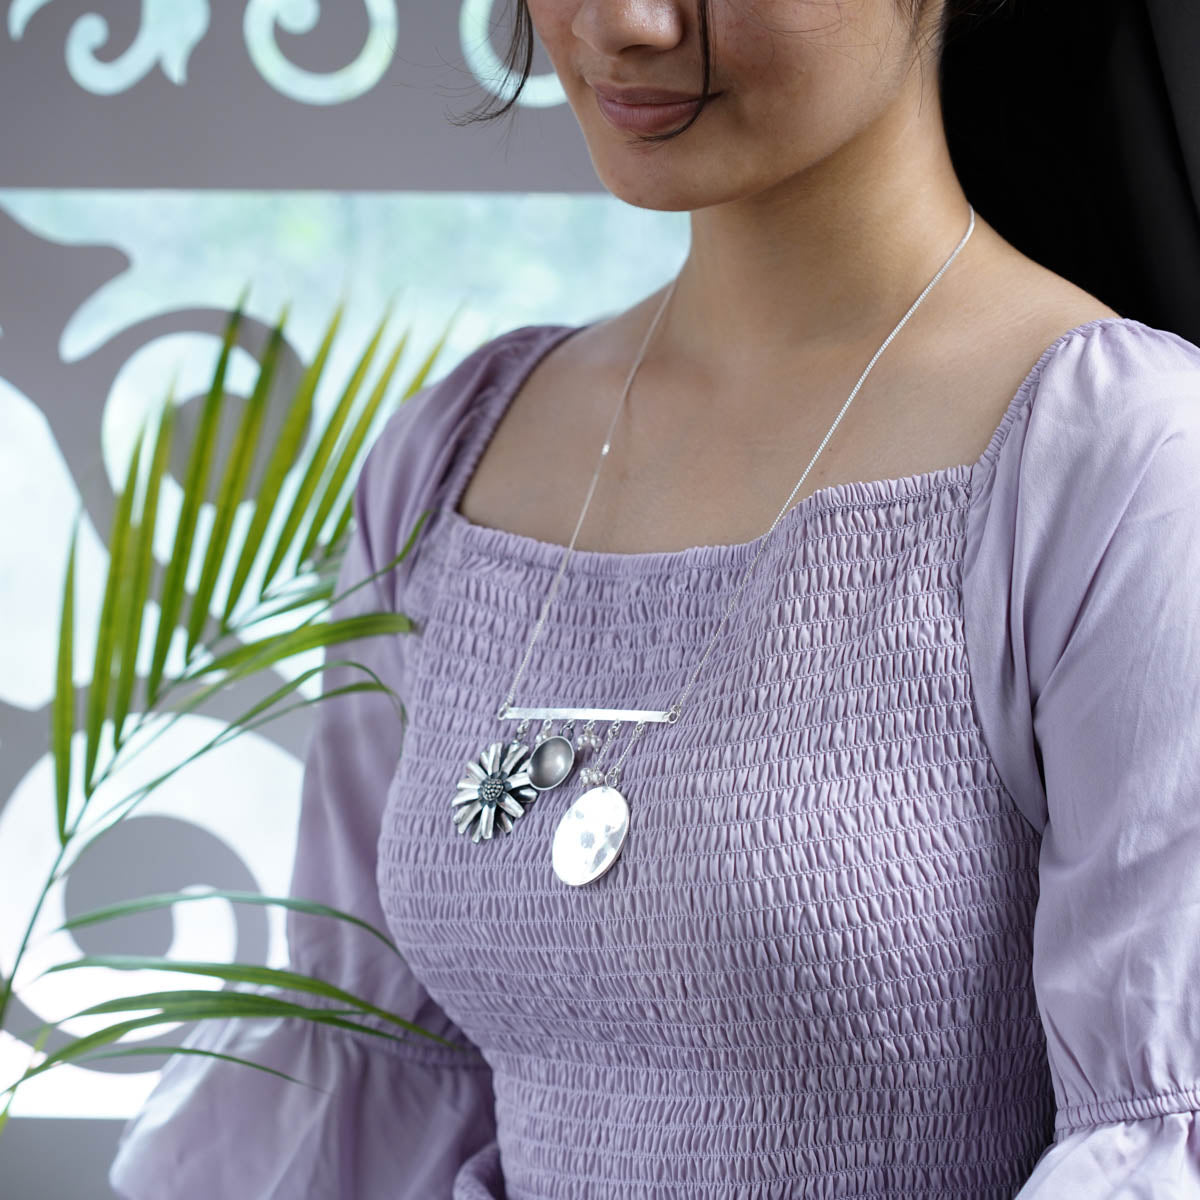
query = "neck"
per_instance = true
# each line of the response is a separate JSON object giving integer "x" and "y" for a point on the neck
{"x": 829, "y": 259}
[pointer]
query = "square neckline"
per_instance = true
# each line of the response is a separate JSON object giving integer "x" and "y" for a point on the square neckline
{"x": 506, "y": 543}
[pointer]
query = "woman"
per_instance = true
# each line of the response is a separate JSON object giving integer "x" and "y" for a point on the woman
{"x": 905, "y": 903}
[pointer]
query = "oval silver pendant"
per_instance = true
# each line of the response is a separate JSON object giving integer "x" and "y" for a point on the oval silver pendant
{"x": 550, "y": 763}
{"x": 589, "y": 835}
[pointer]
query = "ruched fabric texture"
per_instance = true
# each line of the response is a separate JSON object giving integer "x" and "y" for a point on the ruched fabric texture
{"x": 909, "y": 904}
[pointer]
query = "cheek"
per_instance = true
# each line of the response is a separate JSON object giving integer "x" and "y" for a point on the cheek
{"x": 551, "y": 21}
{"x": 782, "y": 54}
{"x": 781, "y": 40}
{"x": 806, "y": 74}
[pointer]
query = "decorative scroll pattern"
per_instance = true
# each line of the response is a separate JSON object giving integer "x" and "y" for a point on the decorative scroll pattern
{"x": 168, "y": 33}
{"x": 170, "y": 30}
{"x": 474, "y": 21}
{"x": 300, "y": 16}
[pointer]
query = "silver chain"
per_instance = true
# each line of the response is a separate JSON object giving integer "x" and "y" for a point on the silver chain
{"x": 677, "y": 707}
{"x": 604, "y": 449}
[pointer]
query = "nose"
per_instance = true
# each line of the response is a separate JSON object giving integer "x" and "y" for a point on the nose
{"x": 614, "y": 27}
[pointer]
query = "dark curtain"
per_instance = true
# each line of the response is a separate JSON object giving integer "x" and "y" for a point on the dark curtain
{"x": 1074, "y": 126}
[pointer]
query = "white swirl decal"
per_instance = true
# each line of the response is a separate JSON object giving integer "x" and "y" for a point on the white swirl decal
{"x": 474, "y": 22}
{"x": 168, "y": 32}
{"x": 300, "y": 16}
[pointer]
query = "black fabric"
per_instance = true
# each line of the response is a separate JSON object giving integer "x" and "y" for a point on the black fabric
{"x": 1074, "y": 126}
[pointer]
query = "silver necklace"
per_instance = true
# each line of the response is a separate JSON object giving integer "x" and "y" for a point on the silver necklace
{"x": 510, "y": 774}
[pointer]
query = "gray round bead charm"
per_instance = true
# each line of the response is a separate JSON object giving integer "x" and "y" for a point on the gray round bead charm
{"x": 550, "y": 763}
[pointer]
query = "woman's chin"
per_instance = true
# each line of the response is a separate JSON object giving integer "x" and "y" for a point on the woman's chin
{"x": 672, "y": 188}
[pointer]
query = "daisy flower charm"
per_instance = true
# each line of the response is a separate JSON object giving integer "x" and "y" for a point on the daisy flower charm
{"x": 494, "y": 790}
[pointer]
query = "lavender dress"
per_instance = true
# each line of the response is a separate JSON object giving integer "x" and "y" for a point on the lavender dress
{"x": 910, "y": 905}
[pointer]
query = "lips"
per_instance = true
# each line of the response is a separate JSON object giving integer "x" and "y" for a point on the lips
{"x": 636, "y": 95}
{"x": 632, "y": 110}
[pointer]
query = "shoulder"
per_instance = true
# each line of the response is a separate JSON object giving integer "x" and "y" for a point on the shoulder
{"x": 466, "y": 386}
{"x": 425, "y": 429}
{"x": 418, "y": 447}
{"x": 1099, "y": 486}
{"x": 1091, "y": 503}
{"x": 1115, "y": 378}
{"x": 1104, "y": 402}
{"x": 1123, "y": 353}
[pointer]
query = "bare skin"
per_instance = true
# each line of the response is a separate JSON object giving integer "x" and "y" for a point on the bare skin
{"x": 822, "y": 201}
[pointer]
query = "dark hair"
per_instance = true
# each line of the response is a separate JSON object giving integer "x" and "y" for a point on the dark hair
{"x": 520, "y": 50}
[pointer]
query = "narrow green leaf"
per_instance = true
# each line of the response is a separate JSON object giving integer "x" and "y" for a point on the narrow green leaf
{"x": 233, "y": 1058}
{"x": 260, "y": 653}
{"x": 103, "y": 1037}
{"x": 122, "y": 610}
{"x": 218, "y": 1002}
{"x": 233, "y": 484}
{"x": 414, "y": 385}
{"x": 290, "y": 642}
{"x": 74, "y": 1049}
{"x": 194, "y": 487}
{"x": 251, "y": 973}
{"x": 12, "y": 1089}
{"x": 165, "y": 899}
{"x": 320, "y": 456}
{"x": 111, "y": 620}
{"x": 327, "y": 578}
{"x": 348, "y": 454}
{"x": 244, "y": 726}
{"x": 253, "y": 667}
{"x": 62, "y": 710}
{"x": 124, "y": 651}
{"x": 244, "y": 723}
{"x": 417, "y": 382}
{"x": 226, "y": 734}
{"x": 141, "y": 557}
{"x": 317, "y": 593}
{"x": 203, "y": 1004}
{"x": 411, "y": 541}
{"x": 282, "y": 460}
{"x": 294, "y": 684}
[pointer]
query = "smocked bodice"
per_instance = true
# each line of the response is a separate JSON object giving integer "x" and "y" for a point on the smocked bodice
{"x": 810, "y": 966}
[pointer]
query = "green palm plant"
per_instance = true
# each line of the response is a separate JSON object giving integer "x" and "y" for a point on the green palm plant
{"x": 313, "y": 532}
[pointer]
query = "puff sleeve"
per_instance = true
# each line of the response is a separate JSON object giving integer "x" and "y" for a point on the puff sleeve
{"x": 1082, "y": 609}
{"x": 409, "y": 1120}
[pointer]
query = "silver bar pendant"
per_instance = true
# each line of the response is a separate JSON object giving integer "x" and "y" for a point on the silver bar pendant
{"x": 586, "y": 714}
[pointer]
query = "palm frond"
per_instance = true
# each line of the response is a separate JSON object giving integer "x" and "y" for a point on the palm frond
{"x": 126, "y": 1051}
{"x": 194, "y": 488}
{"x": 168, "y": 899}
{"x": 349, "y": 452}
{"x": 233, "y": 484}
{"x": 414, "y": 385}
{"x": 62, "y": 709}
{"x": 282, "y": 460}
{"x": 112, "y": 620}
{"x": 122, "y": 632}
{"x": 219, "y": 1002}
{"x": 321, "y": 455}
{"x": 141, "y": 558}
{"x": 223, "y": 1005}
